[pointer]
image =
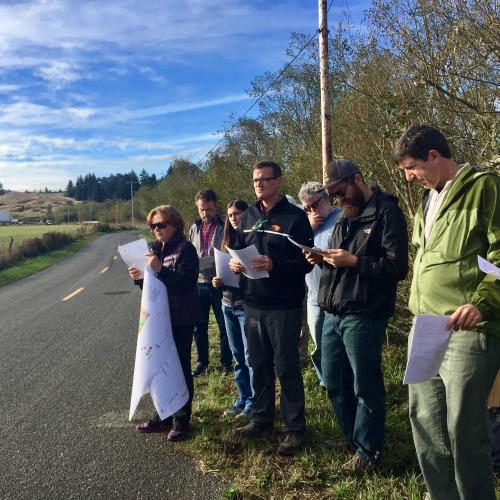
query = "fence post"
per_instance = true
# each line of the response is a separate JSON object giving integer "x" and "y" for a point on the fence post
{"x": 10, "y": 244}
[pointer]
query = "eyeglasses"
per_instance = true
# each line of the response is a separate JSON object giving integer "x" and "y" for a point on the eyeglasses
{"x": 263, "y": 179}
{"x": 158, "y": 225}
{"x": 313, "y": 205}
{"x": 340, "y": 193}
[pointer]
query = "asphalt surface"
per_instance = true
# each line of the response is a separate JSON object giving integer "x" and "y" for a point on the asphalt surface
{"x": 66, "y": 372}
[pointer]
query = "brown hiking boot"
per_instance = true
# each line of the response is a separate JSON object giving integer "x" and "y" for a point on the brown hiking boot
{"x": 254, "y": 429}
{"x": 291, "y": 444}
{"x": 357, "y": 466}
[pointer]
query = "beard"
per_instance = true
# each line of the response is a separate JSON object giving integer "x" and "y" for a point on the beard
{"x": 355, "y": 204}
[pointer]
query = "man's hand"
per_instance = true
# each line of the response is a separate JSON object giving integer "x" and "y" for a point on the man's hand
{"x": 134, "y": 273}
{"x": 315, "y": 219}
{"x": 153, "y": 262}
{"x": 340, "y": 258}
{"x": 262, "y": 263}
{"x": 217, "y": 282}
{"x": 465, "y": 317}
{"x": 236, "y": 267}
{"x": 313, "y": 258}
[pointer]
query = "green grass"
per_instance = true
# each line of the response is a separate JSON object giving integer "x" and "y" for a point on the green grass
{"x": 26, "y": 232}
{"x": 31, "y": 266}
{"x": 256, "y": 471}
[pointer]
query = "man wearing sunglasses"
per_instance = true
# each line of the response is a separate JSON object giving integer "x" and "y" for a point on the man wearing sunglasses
{"x": 322, "y": 217}
{"x": 367, "y": 257}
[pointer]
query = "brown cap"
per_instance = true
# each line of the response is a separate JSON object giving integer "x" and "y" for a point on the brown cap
{"x": 338, "y": 170}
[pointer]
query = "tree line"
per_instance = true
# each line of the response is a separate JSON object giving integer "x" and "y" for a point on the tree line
{"x": 116, "y": 186}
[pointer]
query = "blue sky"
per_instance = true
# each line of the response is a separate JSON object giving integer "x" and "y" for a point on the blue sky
{"x": 110, "y": 86}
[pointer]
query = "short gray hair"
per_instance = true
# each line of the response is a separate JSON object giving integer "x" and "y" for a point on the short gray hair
{"x": 309, "y": 189}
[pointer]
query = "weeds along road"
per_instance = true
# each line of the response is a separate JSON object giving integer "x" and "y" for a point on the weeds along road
{"x": 65, "y": 378}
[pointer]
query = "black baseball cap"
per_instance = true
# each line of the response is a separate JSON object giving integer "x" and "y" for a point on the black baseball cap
{"x": 338, "y": 170}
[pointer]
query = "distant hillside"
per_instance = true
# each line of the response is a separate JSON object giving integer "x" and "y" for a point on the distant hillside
{"x": 32, "y": 205}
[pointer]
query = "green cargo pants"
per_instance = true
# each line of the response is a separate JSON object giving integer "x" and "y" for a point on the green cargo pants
{"x": 450, "y": 423}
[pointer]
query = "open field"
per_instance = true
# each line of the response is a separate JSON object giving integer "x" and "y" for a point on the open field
{"x": 32, "y": 205}
{"x": 26, "y": 232}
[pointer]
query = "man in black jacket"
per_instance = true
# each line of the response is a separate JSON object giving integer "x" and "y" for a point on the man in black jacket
{"x": 368, "y": 255}
{"x": 273, "y": 306}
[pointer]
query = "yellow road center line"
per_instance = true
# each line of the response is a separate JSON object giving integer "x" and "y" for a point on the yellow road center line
{"x": 104, "y": 269}
{"x": 71, "y": 295}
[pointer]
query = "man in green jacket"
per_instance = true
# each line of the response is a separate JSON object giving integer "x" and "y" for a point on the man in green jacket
{"x": 459, "y": 219}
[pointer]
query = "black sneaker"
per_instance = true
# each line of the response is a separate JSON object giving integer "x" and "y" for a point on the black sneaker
{"x": 254, "y": 429}
{"x": 199, "y": 370}
{"x": 291, "y": 444}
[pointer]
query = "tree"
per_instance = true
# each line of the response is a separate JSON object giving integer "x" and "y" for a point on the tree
{"x": 2, "y": 190}
{"x": 70, "y": 189}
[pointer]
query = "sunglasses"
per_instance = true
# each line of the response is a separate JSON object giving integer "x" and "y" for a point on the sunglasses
{"x": 158, "y": 225}
{"x": 340, "y": 193}
{"x": 313, "y": 205}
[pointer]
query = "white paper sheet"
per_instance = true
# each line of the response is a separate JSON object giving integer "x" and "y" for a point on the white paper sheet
{"x": 223, "y": 271}
{"x": 317, "y": 251}
{"x": 429, "y": 341}
{"x": 488, "y": 267}
{"x": 245, "y": 257}
{"x": 157, "y": 366}
{"x": 133, "y": 254}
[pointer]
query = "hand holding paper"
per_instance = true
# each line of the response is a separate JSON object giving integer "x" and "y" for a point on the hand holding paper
{"x": 222, "y": 269}
{"x": 134, "y": 254}
{"x": 430, "y": 337}
{"x": 245, "y": 257}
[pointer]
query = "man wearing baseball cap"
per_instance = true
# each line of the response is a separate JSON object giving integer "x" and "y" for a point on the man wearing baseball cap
{"x": 367, "y": 257}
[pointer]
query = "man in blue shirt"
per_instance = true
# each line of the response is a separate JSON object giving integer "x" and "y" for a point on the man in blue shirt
{"x": 322, "y": 217}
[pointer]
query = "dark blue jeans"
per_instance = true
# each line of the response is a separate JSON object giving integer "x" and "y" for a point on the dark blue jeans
{"x": 351, "y": 365}
{"x": 210, "y": 296}
{"x": 235, "y": 327}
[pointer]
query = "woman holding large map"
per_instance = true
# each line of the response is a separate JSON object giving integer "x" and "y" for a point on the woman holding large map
{"x": 175, "y": 262}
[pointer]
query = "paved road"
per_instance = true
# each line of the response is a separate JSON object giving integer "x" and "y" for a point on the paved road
{"x": 65, "y": 379}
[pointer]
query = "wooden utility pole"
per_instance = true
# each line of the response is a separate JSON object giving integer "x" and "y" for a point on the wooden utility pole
{"x": 326, "y": 128}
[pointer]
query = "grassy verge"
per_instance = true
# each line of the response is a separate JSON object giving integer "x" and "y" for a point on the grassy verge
{"x": 31, "y": 266}
{"x": 257, "y": 472}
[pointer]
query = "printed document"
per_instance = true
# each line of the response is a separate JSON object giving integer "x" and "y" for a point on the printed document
{"x": 307, "y": 249}
{"x": 245, "y": 258}
{"x": 429, "y": 340}
{"x": 488, "y": 267}
{"x": 223, "y": 271}
{"x": 157, "y": 366}
{"x": 133, "y": 254}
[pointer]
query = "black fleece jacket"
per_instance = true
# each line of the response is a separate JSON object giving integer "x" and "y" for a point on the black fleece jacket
{"x": 285, "y": 287}
{"x": 379, "y": 238}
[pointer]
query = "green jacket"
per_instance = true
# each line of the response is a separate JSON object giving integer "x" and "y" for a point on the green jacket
{"x": 446, "y": 273}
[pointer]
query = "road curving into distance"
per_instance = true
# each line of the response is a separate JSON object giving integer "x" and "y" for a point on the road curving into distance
{"x": 67, "y": 347}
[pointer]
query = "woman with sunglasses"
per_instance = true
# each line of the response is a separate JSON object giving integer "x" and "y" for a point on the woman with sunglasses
{"x": 234, "y": 318}
{"x": 175, "y": 262}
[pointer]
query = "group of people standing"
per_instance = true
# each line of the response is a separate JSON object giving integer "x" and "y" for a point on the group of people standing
{"x": 351, "y": 294}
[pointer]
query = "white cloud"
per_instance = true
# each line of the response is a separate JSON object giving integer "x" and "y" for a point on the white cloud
{"x": 59, "y": 74}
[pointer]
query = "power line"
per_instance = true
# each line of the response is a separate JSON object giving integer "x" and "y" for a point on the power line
{"x": 270, "y": 86}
